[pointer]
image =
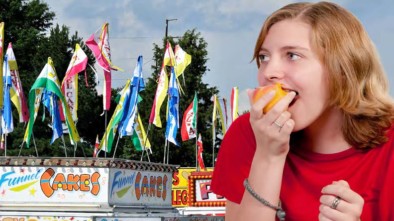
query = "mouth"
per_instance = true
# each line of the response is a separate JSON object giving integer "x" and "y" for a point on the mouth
{"x": 295, "y": 98}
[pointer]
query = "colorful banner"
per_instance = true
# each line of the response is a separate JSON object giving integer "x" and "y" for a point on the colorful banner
{"x": 110, "y": 132}
{"x": 77, "y": 64}
{"x": 180, "y": 186}
{"x": 200, "y": 149}
{"x": 182, "y": 60}
{"x": 126, "y": 125}
{"x": 20, "y": 185}
{"x": 189, "y": 121}
{"x": 99, "y": 45}
{"x": 162, "y": 87}
{"x": 139, "y": 137}
{"x": 173, "y": 110}
{"x": 48, "y": 80}
{"x": 17, "y": 96}
{"x": 131, "y": 187}
{"x": 7, "y": 124}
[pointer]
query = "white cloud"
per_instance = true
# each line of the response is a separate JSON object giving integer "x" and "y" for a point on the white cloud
{"x": 230, "y": 7}
{"x": 230, "y": 28}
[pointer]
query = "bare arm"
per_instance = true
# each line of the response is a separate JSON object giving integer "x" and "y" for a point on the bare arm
{"x": 266, "y": 184}
{"x": 232, "y": 211}
{"x": 272, "y": 133}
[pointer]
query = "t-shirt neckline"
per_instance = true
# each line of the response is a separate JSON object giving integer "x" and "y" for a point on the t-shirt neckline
{"x": 314, "y": 156}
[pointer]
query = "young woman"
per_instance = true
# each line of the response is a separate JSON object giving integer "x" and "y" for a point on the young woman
{"x": 325, "y": 151}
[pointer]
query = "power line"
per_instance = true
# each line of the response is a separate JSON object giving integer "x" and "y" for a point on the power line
{"x": 127, "y": 38}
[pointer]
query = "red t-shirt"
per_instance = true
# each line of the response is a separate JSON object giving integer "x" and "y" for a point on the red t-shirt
{"x": 370, "y": 173}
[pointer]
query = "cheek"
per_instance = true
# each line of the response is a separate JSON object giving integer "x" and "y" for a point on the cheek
{"x": 260, "y": 77}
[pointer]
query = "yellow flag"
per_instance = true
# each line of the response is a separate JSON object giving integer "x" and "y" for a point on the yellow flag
{"x": 161, "y": 93}
{"x": 182, "y": 60}
{"x": 169, "y": 57}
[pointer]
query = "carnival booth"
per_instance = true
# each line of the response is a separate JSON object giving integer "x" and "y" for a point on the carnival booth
{"x": 84, "y": 189}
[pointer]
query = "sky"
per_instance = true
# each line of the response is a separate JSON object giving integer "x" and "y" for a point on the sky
{"x": 230, "y": 27}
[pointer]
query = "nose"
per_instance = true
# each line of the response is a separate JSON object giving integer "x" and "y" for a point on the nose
{"x": 272, "y": 70}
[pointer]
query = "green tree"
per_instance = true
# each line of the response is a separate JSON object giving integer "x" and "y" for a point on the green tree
{"x": 192, "y": 43}
{"x": 28, "y": 25}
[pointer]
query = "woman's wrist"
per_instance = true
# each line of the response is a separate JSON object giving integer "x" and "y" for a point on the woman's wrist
{"x": 267, "y": 156}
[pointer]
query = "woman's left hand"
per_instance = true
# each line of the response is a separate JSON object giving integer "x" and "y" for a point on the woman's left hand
{"x": 339, "y": 202}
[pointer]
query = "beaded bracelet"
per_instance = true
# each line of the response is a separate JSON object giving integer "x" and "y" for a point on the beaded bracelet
{"x": 280, "y": 213}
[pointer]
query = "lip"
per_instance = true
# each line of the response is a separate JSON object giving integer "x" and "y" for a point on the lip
{"x": 288, "y": 90}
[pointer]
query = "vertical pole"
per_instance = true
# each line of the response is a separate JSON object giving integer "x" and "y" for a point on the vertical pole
{"x": 83, "y": 151}
{"x": 197, "y": 167}
{"x": 213, "y": 145}
{"x": 166, "y": 34}
{"x": 168, "y": 152}
{"x": 165, "y": 150}
{"x": 64, "y": 145}
{"x": 106, "y": 145}
{"x": 116, "y": 146}
{"x": 5, "y": 144}
{"x": 34, "y": 142}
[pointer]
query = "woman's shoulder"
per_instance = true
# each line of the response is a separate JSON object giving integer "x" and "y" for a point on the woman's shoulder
{"x": 389, "y": 144}
{"x": 242, "y": 121}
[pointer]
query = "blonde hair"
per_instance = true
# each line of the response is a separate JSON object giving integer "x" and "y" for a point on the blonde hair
{"x": 357, "y": 82}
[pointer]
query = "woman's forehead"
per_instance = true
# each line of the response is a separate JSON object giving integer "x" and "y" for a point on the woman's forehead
{"x": 289, "y": 33}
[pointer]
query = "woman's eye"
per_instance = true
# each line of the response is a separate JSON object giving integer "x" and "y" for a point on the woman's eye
{"x": 293, "y": 56}
{"x": 263, "y": 58}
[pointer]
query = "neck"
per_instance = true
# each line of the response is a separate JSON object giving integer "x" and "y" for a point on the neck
{"x": 325, "y": 134}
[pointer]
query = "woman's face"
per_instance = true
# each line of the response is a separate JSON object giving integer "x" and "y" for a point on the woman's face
{"x": 286, "y": 56}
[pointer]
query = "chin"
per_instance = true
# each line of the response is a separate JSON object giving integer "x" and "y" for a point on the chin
{"x": 298, "y": 125}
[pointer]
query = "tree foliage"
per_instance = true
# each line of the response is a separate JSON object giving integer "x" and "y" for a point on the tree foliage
{"x": 28, "y": 25}
{"x": 191, "y": 82}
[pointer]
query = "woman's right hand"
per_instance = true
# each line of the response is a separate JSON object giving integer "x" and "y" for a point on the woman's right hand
{"x": 271, "y": 130}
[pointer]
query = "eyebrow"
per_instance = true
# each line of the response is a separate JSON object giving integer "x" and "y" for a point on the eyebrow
{"x": 288, "y": 48}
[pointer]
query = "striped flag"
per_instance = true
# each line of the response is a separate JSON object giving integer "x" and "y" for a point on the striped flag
{"x": 189, "y": 122}
{"x": 234, "y": 104}
{"x": 162, "y": 87}
{"x": 7, "y": 123}
{"x": 99, "y": 45}
{"x": 219, "y": 110}
{"x": 96, "y": 147}
{"x": 160, "y": 96}
{"x": 110, "y": 132}
{"x": 130, "y": 110}
{"x": 139, "y": 138}
{"x": 48, "y": 80}
{"x": 77, "y": 64}
{"x": 173, "y": 110}
{"x": 200, "y": 159}
{"x": 1, "y": 59}
{"x": 16, "y": 91}
{"x": 50, "y": 101}
{"x": 222, "y": 113}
